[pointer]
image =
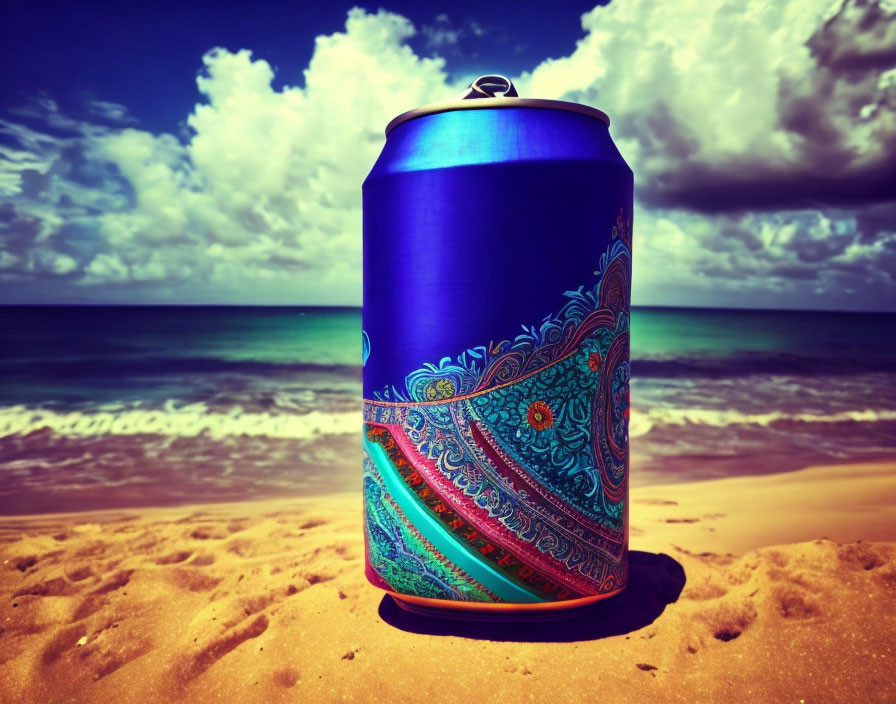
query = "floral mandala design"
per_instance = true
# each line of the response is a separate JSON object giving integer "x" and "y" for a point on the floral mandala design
{"x": 539, "y": 415}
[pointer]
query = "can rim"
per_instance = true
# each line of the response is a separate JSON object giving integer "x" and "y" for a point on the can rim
{"x": 500, "y": 103}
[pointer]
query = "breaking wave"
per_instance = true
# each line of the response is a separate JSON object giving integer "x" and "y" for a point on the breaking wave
{"x": 642, "y": 423}
{"x": 188, "y": 420}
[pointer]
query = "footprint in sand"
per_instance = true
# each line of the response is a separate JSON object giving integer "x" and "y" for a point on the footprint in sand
{"x": 795, "y": 603}
{"x": 174, "y": 557}
{"x": 879, "y": 560}
{"x": 96, "y": 549}
{"x": 725, "y": 609}
{"x": 705, "y": 590}
{"x": 209, "y": 531}
{"x": 794, "y": 591}
{"x": 864, "y": 556}
{"x": 79, "y": 574}
{"x": 116, "y": 581}
{"x": 23, "y": 564}
{"x": 208, "y": 649}
{"x": 728, "y": 621}
{"x": 224, "y": 624}
{"x": 237, "y": 526}
{"x": 217, "y": 647}
{"x": 59, "y": 586}
{"x": 94, "y": 654}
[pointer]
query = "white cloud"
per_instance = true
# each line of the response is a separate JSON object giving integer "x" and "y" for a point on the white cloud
{"x": 106, "y": 268}
{"x": 8, "y": 260}
{"x": 270, "y": 181}
{"x": 113, "y": 112}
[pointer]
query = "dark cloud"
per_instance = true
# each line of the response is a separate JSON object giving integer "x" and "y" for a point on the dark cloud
{"x": 859, "y": 38}
{"x": 104, "y": 110}
{"x": 744, "y": 185}
{"x": 791, "y": 271}
{"x": 17, "y": 230}
{"x": 875, "y": 221}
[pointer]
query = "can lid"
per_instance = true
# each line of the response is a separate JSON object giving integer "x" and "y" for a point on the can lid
{"x": 494, "y": 91}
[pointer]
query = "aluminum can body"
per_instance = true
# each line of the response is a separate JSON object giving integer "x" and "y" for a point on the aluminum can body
{"x": 496, "y": 303}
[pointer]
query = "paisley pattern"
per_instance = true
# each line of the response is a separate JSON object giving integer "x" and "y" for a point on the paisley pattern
{"x": 502, "y": 475}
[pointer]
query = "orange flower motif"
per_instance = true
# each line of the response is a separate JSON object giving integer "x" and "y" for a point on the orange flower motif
{"x": 594, "y": 361}
{"x": 539, "y": 415}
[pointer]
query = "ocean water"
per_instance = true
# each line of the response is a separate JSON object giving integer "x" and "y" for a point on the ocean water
{"x": 130, "y": 406}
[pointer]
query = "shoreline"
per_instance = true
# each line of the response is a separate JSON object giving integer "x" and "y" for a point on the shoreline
{"x": 635, "y": 489}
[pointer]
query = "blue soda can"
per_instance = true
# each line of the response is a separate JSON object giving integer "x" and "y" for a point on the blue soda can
{"x": 497, "y": 280}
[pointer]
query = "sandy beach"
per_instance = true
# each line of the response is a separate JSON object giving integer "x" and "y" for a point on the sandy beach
{"x": 765, "y": 588}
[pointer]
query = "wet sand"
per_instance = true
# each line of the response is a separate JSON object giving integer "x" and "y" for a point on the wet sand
{"x": 774, "y": 588}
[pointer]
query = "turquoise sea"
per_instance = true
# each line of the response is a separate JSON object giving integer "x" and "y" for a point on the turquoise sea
{"x": 105, "y": 406}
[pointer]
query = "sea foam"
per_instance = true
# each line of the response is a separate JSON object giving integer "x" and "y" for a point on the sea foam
{"x": 189, "y": 420}
{"x": 642, "y": 423}
{"x": 196, "y": 419}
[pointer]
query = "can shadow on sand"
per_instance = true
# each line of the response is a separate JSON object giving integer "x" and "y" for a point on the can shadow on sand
{"x": 655, "y": 581}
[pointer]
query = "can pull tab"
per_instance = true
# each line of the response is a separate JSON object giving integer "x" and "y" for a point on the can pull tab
{"x": 492, "y": 86}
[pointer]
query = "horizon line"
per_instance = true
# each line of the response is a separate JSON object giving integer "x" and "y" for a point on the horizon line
{"x": 358, "y": 307}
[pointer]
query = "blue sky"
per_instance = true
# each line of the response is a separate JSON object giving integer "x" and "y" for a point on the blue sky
{"x": 197, "y": 153}
{"x": 146, "y": 58}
